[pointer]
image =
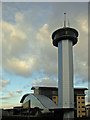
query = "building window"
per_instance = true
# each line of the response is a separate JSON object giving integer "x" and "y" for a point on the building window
{"x": 54, "y": 102}
{"x": 54, "y": 97}
{"x": 78, "y": 111}
{"x": 78, "y": 101}
{"x": 83, "y": 102}
{"x": 83, "y": 97}
{"x": 83, "y": 106}
{"x": 78, "y": 97}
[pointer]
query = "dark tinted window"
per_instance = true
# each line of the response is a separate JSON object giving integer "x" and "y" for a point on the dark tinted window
{"x": 83, "y": 97}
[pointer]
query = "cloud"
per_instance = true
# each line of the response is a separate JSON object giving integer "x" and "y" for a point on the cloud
{"x": 44, "y": 56}
{"x": 81, "y": 71}
{"x": 28, "y": 49}
{"x": 48, "y": 56}
{"x": 19, "y": 91}
{"x": 19, "y": 67}
{"x": 9, "y": 96}
{"x": 27, "y": 42}
{"x": 11, "y": 99}
{"x": 43, "y": 33}
{"x": 83, "y": 23}
{"x": 14, "y": 40}
{"x": 6, "y": 97}
{"x": 80, "y": 50}
{"x": 22, "y": 56}
{"x": 4, "y": 83}
{"x": 19, "y": 17}
{"x": 16, "y": 55}
{"x": 46, "y": 81}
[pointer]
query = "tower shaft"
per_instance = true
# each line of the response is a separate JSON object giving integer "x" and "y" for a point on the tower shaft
{"x": 64, "y": 39}
{"x": 65, "y": 74}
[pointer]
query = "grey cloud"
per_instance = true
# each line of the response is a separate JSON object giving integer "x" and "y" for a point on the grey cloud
{"x": 30, "y": 43}
{"x": 46, "y": 81}
{"x": 80, "y": 22}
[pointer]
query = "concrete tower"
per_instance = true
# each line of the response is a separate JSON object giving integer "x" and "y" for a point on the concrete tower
{"x": 65, "y": 38}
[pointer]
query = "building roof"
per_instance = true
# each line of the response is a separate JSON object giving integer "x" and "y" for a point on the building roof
{"x": 37, "y": 87}
{"x": 21, "y": 101}
{"x": 45, "y": 101}
{"x": 80, "y": 88}
{"x": 88, "y": 105}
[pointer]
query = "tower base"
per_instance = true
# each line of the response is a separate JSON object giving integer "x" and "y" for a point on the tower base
{"x": 64, "y": 113}
{"x": 68, "y": 115}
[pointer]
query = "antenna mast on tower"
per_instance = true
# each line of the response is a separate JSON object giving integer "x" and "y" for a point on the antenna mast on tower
{"x": 64, "y": 19}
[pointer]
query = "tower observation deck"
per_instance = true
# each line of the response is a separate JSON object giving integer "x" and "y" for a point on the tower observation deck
{"x": 64, "y": 34}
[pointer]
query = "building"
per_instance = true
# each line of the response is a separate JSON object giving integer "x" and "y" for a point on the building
{"x": 79, "y": 102}
{"x": 79, "y": 98}
{"x": 7, "y": 112}
{"x": 88, "y": 110}
{"x": 17, "y": 110}
{"x": 36, "y": 104}
{"x": 10, "y": 112}
{"x": 52, "y": 92}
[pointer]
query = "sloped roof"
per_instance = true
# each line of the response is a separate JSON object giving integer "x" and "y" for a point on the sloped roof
{"x": 24, "y": 96}
{"x": 45, "y": 101}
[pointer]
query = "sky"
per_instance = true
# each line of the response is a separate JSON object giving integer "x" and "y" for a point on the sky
{"x": 28, "y": 55}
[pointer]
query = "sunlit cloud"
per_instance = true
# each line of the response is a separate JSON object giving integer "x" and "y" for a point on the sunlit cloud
{"x": 43, "y": 33}
{"x": 18, "y": 67}
{"x": 83, "y": 23}
{"x": 19, "y": 91}
{"x": 17, "y": 41}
